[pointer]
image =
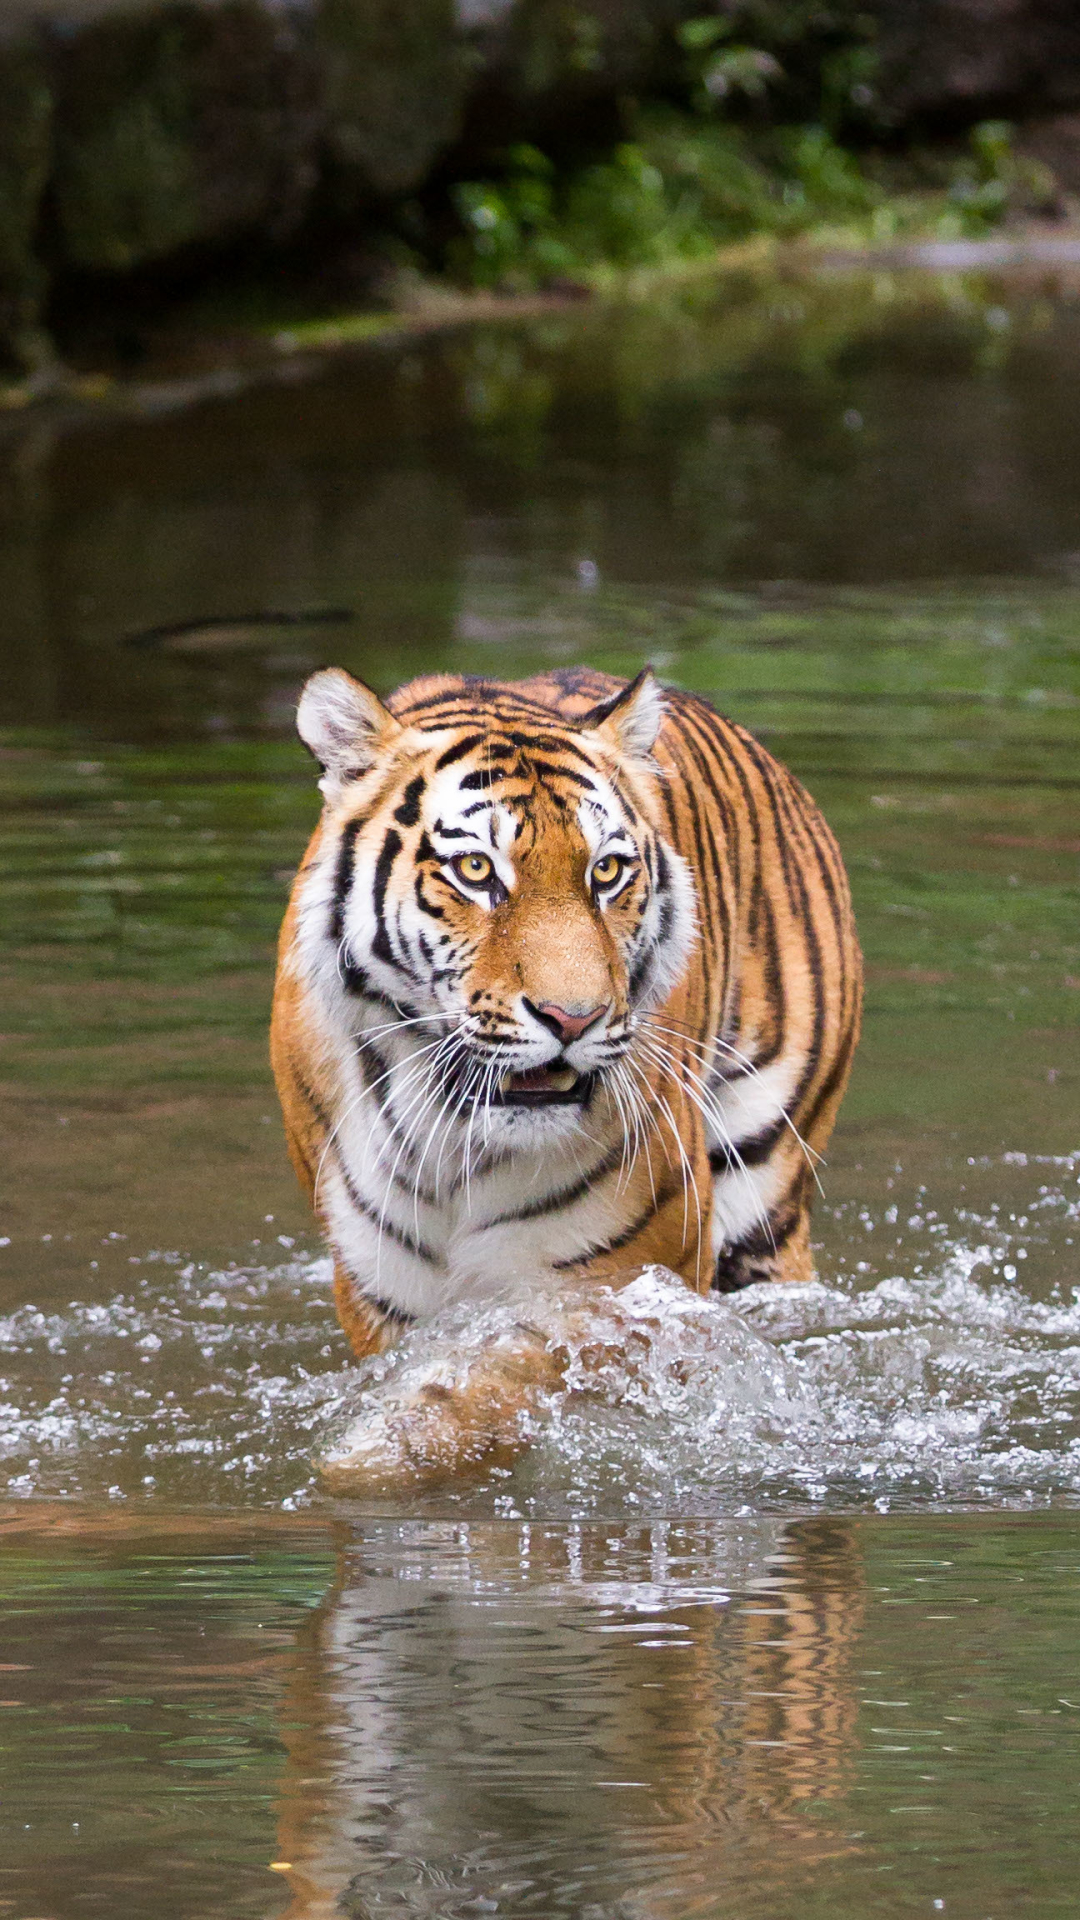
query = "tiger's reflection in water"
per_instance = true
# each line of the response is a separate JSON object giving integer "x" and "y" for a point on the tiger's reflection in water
{"x": 602, "y": 1721}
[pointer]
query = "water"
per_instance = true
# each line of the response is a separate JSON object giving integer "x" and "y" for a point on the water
{"x": 605, "y": 1721}
{"x": 849, "y": 512}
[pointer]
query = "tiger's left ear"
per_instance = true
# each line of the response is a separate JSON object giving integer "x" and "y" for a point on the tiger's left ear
{"x": 630, "y": 721}
{"x": 344, "y": 725}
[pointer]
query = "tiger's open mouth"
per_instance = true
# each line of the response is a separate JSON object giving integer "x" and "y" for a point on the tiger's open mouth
{"x": 543, "y": 1087}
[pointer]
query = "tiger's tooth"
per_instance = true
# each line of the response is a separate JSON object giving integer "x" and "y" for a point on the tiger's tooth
{"x": 563, "y": 1078}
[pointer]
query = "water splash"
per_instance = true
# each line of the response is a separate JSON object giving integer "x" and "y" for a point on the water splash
{"x": 202, "y": 1385}
{"x": 946, "y": 1389}
{"x": 940, "y": 1383}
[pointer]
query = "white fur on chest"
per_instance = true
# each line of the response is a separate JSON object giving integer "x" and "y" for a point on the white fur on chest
{"x": 418, "y": 1254}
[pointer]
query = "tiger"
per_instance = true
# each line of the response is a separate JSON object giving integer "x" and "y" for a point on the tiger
{"x": 568, "y": 985}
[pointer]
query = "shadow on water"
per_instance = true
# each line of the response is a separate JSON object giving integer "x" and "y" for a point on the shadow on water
{"x": 720, "y": 1653}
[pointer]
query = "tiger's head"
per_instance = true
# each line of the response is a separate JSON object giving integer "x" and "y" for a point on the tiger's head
{"x": 491, "y": 883}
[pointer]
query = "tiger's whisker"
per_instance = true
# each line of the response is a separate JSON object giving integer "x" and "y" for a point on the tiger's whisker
{"x": 754, "y": 1072}
{"x": 709, "y": 1112}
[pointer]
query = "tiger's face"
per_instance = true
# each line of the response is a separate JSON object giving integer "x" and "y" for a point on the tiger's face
{"x": 494, "y": 896}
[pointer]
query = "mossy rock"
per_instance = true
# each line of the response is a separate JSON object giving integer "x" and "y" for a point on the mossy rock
{"x": 180, "y": 124}
{"x": 25, "y": 123}
{"x": 395, "y": 79}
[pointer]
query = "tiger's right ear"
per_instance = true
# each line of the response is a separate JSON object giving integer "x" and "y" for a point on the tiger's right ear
{"x": 344, "y": 725}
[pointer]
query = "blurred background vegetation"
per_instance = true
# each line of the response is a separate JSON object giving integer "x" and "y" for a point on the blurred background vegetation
{"x": 284, "y": 160}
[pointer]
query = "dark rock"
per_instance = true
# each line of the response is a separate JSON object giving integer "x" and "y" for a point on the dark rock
{"x": 551, "y": 72}
{"x": 955, "y": 61}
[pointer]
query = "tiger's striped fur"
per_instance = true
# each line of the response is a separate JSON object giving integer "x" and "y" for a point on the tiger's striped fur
{"x": 627, "y": 1044}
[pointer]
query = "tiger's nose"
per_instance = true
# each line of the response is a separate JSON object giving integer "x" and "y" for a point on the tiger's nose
{"x": 563, "y": 1023}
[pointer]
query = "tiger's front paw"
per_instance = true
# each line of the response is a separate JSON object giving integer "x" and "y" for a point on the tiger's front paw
{"x": 475, "y": 1400}
{"x": 443, "y": 1417}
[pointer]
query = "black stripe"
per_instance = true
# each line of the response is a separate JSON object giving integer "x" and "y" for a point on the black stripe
{"x": 816, "y": 958}
{"x": 388, "y": 853}
{"x": 645, "y": 964}
{"x": 545, "y": 769}
{"x": 833, "y": 1078}
{"x": 565, "y": 1197}
{"x": 774, "y": 985}
{"x": 723, "y": 1074}
{"x": 772, "y": 776}
{"x": 748, "y": 1153}
{"x": 403, "y": 1240}
{"x": 459, "y": 749}
{"x": 430, "y": 907}
{"x": 724, "y": 743}
{"x": 316, "y": 1107}
{"x": 483, "y": 778}
{"x": 356, "y": 981}
{"x": 473, "y": 691}
{"x": 343, "y": 878}
{"x": 551, "y": 743}
{"x": 705, "y": 976}
{"x": 700, "y": 750}
{"x": 471, "y": 685}
{"x": 397, "y": 1314}
{"x": 309, "y": 1098}
{"x": 727, "y": 1276}
{"x": 378, "y": 1088}
{"x": 623, "y": 799}
{"x": 623, "y": 1239}
{"x": 719, "y": 875}
{"x": 834, "y": 881}
{"x": 409, "y": 811}
{"x": 668, "y": 798}
{"x": 761, "y": 1244}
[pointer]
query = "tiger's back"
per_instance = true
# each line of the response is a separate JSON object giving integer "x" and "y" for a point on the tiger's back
{"x": 500, "y": 1062}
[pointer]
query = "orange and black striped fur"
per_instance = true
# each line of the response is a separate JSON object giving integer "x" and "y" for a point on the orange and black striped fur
{"x": 569, "y": 983}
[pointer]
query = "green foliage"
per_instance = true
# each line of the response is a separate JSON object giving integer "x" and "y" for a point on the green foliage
{"x": 768, "y": 87}
{"x": 512, "y": 230}
{"x": 819, "y": 62}
{"x": 676, "y": 192}
{"x": 716, "y": 73}
{"x": 687, "y": 184}
{"x": 992, "y": 177}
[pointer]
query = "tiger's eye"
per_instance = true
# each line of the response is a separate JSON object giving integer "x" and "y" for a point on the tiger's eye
{"x": 607, "y": 870}
{"x": 475, "y": 868}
